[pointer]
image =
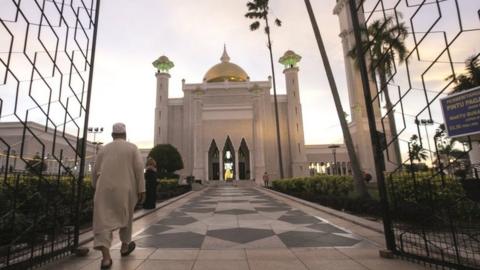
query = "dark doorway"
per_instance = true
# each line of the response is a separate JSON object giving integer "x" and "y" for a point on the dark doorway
{"x": 213, "y": 162}
{"x": 244, "y": 161}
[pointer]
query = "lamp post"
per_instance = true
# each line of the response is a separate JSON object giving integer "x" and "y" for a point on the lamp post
{"x": 425, "y": 123}
{"x": 95, "y": 130}
{"x": 334, "y": 153}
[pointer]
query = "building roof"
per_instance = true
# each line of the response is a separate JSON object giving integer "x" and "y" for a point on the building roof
{"x": 225, "y": 71}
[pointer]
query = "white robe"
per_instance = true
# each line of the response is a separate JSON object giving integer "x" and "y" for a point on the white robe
{"x": 117, "y": 178}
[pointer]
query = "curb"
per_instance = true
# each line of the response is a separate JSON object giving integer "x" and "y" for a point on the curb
{"x": 371, "y": 225}
{"x": 138, "y": 215}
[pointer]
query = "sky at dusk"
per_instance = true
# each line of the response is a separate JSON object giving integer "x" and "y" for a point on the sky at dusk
{"x": 192, "y": 33}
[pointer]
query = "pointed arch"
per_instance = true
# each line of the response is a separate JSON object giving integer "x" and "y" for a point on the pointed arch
{"x": 213, "y": 162}
{"x": 228, "y": 160}
{"x": 244, "y": 160}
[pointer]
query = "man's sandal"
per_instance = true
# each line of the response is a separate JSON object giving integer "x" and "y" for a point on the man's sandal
{"x": 106, "y": 266}
{"x": 130, "y": 248}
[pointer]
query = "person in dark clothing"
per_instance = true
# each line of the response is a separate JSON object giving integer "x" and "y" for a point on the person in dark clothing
{"x": 150, "y": 184}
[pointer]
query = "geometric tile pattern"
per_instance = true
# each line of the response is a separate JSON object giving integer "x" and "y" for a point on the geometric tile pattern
{"x": 236, "y": 218}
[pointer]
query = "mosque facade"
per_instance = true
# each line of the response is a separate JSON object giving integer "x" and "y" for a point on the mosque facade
{"x": 225, "y": 126}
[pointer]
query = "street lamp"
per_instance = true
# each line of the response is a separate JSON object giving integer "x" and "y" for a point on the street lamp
{"x": 95, "y": 130}
{"x": 425, "y": 123}
{"x": 334, "y": 153}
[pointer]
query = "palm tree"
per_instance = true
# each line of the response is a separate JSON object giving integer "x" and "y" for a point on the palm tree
{"x": 360, "y": 186}
{"x": 386, "y": 41}
{"x": 416, "y": 151}
{"x": 471, "y": 78}
{"x": 258, "y": 10}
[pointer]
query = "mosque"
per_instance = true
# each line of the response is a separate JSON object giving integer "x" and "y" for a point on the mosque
{"x": 224, "y": 127}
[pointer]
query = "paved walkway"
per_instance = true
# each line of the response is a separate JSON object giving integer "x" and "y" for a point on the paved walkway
{"x": 244, "y": 228}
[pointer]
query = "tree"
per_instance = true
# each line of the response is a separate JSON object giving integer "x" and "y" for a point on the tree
{"x": 471, "y": 78}
{"x": 36, "y": 165}
{"x": 446, "y": 150}
{"x": 168, "y": 160}
{"x": 416, "y": 151}
{"x": 360, "y": 186}
{"x": 386, "y": 42}
{"x": 258, "y": 10}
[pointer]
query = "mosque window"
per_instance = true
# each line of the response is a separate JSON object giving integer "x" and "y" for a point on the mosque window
{"x": 296, "y": 110}
{"x": 159, "y": 131}
{"x": 299, "y": 148}
{"x": 294, "y": 94}
{"x": 297, "y": 128}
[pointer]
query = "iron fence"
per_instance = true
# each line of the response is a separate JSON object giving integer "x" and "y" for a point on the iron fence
{"x": 47, "y": 50}
{"x": 430, "y": 188}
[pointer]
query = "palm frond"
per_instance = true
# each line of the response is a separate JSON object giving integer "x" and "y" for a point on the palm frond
{"x": 278, "y": 22}
{"x": 254, "y": 15}
{"x": 252, "y": 6}
{"x": 254, "y": 26}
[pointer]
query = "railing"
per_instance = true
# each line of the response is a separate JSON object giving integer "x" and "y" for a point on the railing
{"x": 46, "y": 63}
{"x": 414, "y": 54}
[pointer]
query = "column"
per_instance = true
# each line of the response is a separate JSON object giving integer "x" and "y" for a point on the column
{"x": 250, "y": 164}
{"x": 207, "y": 168}
{"x": 198, "y": 169}
{"x": 220, "y": 154}
{"x": 258, "y": 111}
{"x": 237, "y": 168}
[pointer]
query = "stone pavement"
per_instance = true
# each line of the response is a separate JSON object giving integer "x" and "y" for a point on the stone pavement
{"x": 244, "y": 228}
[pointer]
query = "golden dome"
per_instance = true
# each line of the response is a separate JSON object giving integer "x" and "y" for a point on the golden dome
{"x": 225, "y": 71}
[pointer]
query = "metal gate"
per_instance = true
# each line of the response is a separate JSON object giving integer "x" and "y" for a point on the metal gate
{"x": 47, "y": 50}
{"x": 431, "y": 197}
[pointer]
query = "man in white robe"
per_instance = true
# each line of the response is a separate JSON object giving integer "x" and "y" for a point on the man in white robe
{"x": 119, "y": 184}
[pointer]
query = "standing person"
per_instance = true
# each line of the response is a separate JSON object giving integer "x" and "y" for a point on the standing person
{"x": 266, "y": 180}
{"x": 150, "y": 184}
{"x": 119, "y": 185}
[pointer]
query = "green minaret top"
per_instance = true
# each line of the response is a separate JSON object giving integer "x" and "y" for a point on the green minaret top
{"x": 290, "y": 59}
{"x": 163, "y": 64}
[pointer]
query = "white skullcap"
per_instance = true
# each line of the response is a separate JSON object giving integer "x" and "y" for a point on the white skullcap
{"x": 119, "y": 128}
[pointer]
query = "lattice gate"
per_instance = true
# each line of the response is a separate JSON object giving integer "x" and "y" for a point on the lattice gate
{"x": 47, "y": 50}
{"x": 432, "y": 196}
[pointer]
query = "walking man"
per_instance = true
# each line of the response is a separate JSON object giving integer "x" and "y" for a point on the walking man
{"x": 117, "y": 178}
{"x": 266, "y": 180}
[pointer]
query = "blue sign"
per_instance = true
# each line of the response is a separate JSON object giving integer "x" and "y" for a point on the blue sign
{"x": 461, "y": 113}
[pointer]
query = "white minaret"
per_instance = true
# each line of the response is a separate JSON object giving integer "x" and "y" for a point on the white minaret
{"x": 295, "y": 121}
{"x": 163, "y": 65}
{"x": 359, "y": 124}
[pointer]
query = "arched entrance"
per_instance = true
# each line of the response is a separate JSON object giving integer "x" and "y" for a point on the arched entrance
{"x": 228, "y": 160}
{"x": 213, "y": 162}
{"x": 244, "y": 161}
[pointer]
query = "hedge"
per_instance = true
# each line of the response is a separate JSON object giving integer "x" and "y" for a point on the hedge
{"x": 412, "y": 198}
{"x": 316, "y": 185}
{"x": 169, "y": 188}
{"x": 44, "y": 206}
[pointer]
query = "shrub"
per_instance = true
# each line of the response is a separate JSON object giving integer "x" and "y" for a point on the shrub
{"x": 168, "y": 188}
{"x": 168, "y": 160}
{"x": 316, "y": 185}
{"x": 413, "y": 198}
{"x": 427, "y": 198}
{"x": 33, "y": 206}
